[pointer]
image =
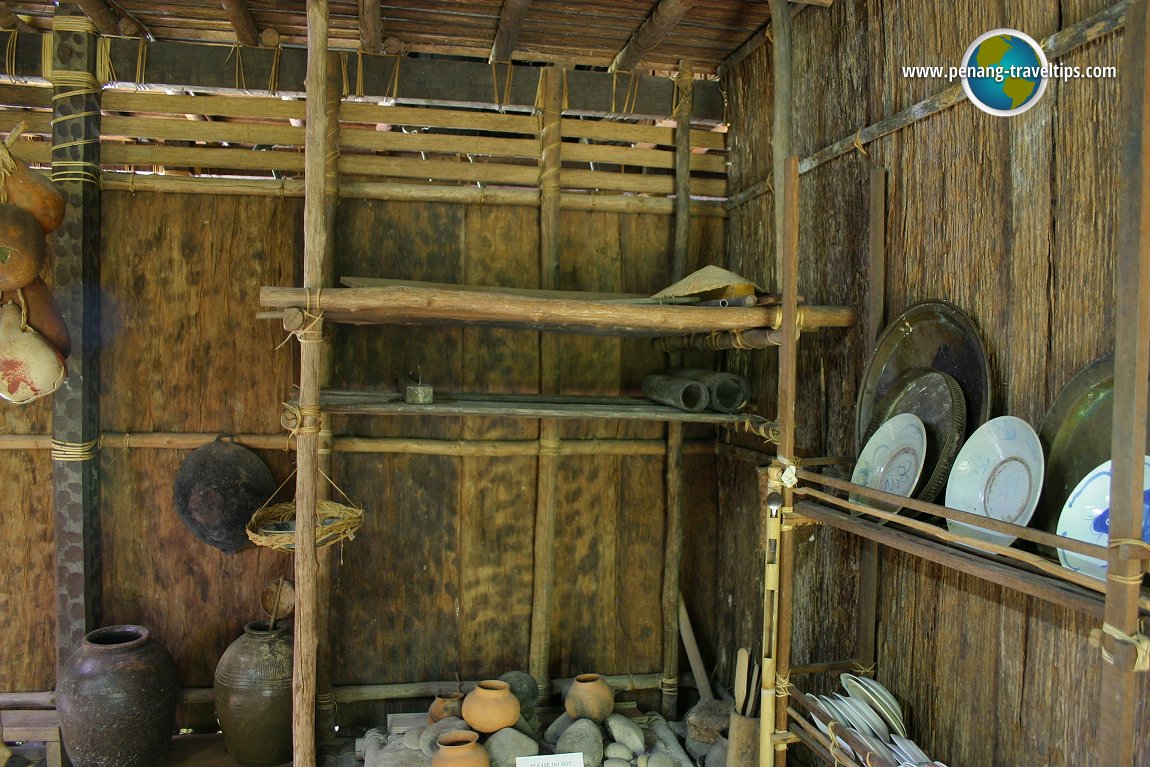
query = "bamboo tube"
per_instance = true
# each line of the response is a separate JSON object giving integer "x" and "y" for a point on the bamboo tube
{"x": 671, "y": 564}
{"x": 680, "y": 393}
{"x": 412, "y": 305}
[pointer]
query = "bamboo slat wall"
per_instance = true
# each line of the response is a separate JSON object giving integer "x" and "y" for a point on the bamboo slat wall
{"x": 1015, "y": 221}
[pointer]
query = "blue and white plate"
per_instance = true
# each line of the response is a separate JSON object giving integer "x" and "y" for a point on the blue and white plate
{"x": 1086, "y": 517}
{"x": 892, "y": 459}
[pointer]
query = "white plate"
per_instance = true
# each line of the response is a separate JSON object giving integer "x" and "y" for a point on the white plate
{"x": 868, "y": 715}
{"x": 907, "y": 748}
{"x": 1086, "y": 517}
{"x": 883, "y": 694}
{"x": 891, "y": 716}
{"x": 892, "y": 459}
{"x": 853, "y": 712}
{"x": 846, "y": 748}
{"x": 997, "y": 474}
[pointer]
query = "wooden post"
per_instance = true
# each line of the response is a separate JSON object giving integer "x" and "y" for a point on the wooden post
{"x": 671, "y": 564}
{"x": 370, "y": 26}
{"x": 684, "y": 103}
{"x": 76, "y": 405}
{"x": 1119, "y": 693}
{"x": 325, "y": 699}
{"x": 316, "y": 232}
{"x": 547, "y": 480}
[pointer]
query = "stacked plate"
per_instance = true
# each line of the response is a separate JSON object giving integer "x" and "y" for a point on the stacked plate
{"x": 873, "y": 716}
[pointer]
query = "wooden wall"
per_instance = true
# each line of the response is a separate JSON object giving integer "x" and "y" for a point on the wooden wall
{"x": 438, "y": 583}
{"x": 1014, "y": 220}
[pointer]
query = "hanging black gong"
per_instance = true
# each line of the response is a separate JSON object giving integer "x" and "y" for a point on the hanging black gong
{"x": 218, "y": 488}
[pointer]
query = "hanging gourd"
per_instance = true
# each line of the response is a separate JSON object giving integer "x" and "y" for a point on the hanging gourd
{"x": 21, "y": 248}
{"x": 30, "y": 367}
{"x": 43, "y": 315}
{"x": 29, "y": 190}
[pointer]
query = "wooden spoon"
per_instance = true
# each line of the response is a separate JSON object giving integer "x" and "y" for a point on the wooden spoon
{"x": 753, "y": 692}
{"x": 742, "y": 661}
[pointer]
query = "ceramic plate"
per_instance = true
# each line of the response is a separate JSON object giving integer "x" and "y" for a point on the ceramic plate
{"x": 866, "y": 714}
{"x": 890, "y": 713}
{"x": 931, "y": 334}
{"x": 882, "y": 693}
{"x": 892, "y": 459}
{"x": 997, "y": 474}
{"x": 912, "y": 752}
{"x": 1086, "y": 516}
{"x": 832, "y": 708}
{"x": 936, "y": 398}
{"x": 846, "y": 748}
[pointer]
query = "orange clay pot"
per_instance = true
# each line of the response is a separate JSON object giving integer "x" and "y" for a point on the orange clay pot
{"x": 491, "y": 706}
{"x": 459, "y": 748}
{"x": 589, "y": 697}
{"x": 448, "y": 704}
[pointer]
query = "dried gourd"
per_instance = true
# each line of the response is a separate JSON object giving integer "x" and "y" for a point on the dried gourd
{"x": 21, "y": 248}
{"x": 30, "y": 191}
{"x": 43, "y": 315}
{"x": 30, "y": 367}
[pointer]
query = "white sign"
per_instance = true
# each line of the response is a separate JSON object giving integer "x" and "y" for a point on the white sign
{"x": 551, "y": 760}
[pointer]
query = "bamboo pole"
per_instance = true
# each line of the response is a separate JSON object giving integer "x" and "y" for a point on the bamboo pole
{"x": 684, "y": 92}
{"x": 414, "y": 305}
{"x": 307, "y": 439}
{"x": 1119, "y": 726}
{"x": 672, "y": 563}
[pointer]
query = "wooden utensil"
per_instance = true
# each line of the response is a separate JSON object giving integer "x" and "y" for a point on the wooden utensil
{"x": 742, "y": 661}
{"x": 753, "y": 692}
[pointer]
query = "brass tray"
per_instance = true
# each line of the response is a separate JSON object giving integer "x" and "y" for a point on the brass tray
{"x": 1075, "y": 435}
{"x": 930, "y": 334}
{"x": 936, "y": 398}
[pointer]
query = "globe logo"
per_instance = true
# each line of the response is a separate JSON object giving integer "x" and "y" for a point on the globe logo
{"x": 1004, "y": 72}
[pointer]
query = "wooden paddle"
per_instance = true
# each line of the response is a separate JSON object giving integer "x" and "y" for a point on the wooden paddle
{"x": 742, "y": 661}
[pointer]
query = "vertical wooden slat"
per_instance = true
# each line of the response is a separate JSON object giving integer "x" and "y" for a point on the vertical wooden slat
{"x": 316, "y": 225}
{"x": 671, "y": 564}
{"x": 684, "y": 104}
{"x": 1131, "y": 370}
{"x": 325, "y": 700}
{"x": 876, "y": 306}
{"x": 547, "y": 480}
{"x": 75, "y": 167}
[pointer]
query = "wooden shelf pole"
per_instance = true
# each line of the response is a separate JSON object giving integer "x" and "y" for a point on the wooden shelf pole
{"x": 1118, "y": 728}
{"x": 684, "y": 104}
{"x": 316, "y": 234}
{"x": 671, "y": 565}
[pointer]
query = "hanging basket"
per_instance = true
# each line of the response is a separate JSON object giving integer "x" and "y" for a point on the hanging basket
{"x": 274, "y": 526}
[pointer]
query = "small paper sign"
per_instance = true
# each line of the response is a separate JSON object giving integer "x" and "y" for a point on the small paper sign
{"x": 551, "y": 760}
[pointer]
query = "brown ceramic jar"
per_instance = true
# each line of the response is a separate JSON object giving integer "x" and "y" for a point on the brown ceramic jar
{"x": 491, "y": 706}
{"x": 589, "y": 697}
{"x": 253, "y": 690}
{"x": 445, "y": 705}
{"x": 459, "y": 748}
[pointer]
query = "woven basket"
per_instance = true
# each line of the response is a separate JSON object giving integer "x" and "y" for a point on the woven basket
{"x": 274, "y": 526}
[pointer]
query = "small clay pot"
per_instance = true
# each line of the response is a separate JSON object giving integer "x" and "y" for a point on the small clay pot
{"x": 589, "y": 697}
{"x": 445, "y": 705}
{"x": 459, "y": 748}
{"x": 491, "y": 706}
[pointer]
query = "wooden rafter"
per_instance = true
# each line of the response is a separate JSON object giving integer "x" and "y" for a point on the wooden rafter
{"x": 9, "y": 19}
{"x": 241, "y": 20}
{"x": 511, "y": 17}
{"x": 107, "y": 20}
{"x": 370, "y": 26}
{"x": 662, "y": 20}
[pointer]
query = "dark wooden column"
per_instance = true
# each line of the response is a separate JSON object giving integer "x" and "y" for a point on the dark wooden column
{"x": 76, "y": 244}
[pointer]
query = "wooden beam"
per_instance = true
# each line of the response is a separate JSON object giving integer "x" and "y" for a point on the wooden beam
{"x": 662, "y": 20}
{"x": 511, "y": 17}
{"x": 76, "y": 405}
{"x": 761, "y": 36}
{"x": 672, "y": 564}
{"x": 370, "y": 26}
{"x": 107, "y": 20}
{"x": 9, "y": 19}
{"x": 241, "y": 20}
{"x": 684, "y": 89}
{"x": 1120, "y": 726}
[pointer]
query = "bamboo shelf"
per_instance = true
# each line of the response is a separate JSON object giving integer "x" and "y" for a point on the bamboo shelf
{"x": 340, "y": 402}
{"x": 1012, "y": 568}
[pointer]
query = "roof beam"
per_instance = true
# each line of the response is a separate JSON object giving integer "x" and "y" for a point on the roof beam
{"x": 107, "y": 21}
{"x": 511, "y": 17}
{"x": 370, "y": 26}
{"x": 242, "y": 21}
{"x": 662, "y": 20}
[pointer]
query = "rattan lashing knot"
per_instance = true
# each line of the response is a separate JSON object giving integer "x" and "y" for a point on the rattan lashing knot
{"x": 1141, "y": 644}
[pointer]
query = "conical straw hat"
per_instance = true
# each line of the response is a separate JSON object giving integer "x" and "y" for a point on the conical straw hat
{"x": 710, "y": 279}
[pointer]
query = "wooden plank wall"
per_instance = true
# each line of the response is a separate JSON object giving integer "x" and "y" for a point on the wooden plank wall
{"x": 1015, "y": 221}
{"x": 438, "y": 584}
